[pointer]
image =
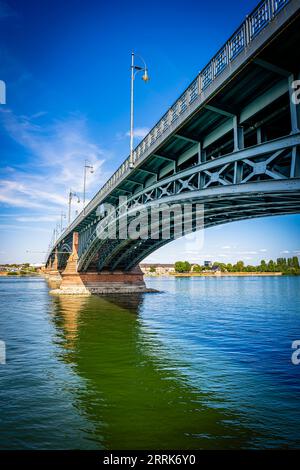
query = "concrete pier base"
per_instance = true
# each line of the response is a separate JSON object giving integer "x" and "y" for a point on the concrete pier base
{"x": 51, "y": 272}
{"x": 93, "y": 282}
{"x": 101, "y": 283}
{"x": 54, "y": 276}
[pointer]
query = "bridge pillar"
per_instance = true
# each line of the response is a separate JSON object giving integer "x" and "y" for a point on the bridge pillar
{"x": 93, "y": 282}
{"x": 53, "y": 272}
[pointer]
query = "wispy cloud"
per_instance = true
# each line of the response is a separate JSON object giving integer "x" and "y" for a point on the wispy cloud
{"x": 12, "y": 227}
{"x": 26, "y": 219}
{"x": 138, "y": 133}
{"x": 55, "y": 154}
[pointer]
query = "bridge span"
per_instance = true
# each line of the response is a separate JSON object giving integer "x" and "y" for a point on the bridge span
{"x": 230, "y": 142}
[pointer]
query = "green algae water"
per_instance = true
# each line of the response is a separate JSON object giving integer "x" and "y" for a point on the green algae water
{"x": 204, "y": 364}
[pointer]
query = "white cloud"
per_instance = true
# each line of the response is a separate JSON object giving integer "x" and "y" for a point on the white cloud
{"x": 285, "y": 252}
{"x": 141, "y": 132}
{"x": 12, "y": 227}
{"x": 55, "y": 155}
{"x": 263, "y": 250}
{"x": 37, "y": 218}
{"x": 138, "y": 133}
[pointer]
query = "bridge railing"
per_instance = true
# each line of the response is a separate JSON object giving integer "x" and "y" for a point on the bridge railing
{"x": 260, "y": 17}
{"x": 252, "y": 26}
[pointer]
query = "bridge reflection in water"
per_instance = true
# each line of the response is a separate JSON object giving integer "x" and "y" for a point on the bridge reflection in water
{"x": 136, "y": 395}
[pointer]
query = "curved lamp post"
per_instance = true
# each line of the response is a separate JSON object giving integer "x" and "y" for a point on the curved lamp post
{"x": 62, "y": 216}
{"x": 87, "y": 166}
{"x": 71, "y": 195}
{"x": 134, "y": 70}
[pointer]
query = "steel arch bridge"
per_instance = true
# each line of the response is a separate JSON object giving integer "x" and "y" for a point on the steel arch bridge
{"x": 230, "y": 142}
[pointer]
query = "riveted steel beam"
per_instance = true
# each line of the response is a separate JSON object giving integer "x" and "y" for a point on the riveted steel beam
{"x": 271, "y": 67}
{"x": 163, "y": 157}
{"x": 186, "y": 139}
{"x": 218, "y": 110}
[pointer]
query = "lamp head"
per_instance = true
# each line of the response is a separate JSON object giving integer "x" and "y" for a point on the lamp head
{"x": 145, "y": 77}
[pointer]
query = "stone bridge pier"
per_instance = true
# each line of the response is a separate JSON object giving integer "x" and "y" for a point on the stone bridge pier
{"x": 74, "y": 282}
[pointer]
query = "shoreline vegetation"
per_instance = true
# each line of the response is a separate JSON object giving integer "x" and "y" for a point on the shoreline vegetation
{"x": 18, "y": 270}
{"x": 280, "y": 267}
{"x": 216, "y": 274}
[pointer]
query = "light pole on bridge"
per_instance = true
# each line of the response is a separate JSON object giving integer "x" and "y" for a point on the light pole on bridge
{"x": 62, "y": 216}
{"x": 87, "y": 166}
{"x": 71, "y": 195}
{"x": 57, "y": 231}
{"x": 134, "y": 70}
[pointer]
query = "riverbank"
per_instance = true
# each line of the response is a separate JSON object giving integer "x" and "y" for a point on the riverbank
{"x": 214, "y": 274}
{"x": 171, "y": 274}
{"x": 30, "y": 274}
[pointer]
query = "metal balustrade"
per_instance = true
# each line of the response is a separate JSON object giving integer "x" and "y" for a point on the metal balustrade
{"x": 262, "y": 15}
{"x": 237, "y": 43}
{"x": 251, "y": 27}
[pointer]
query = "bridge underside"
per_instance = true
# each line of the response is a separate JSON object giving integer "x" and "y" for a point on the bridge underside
{"x": 217, "y": 209}
{"x": 237, "y": 152}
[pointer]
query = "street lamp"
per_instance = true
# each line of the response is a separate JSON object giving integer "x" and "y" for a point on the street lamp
{"x": 62, "y": 216}
{"x": 53, "y": 237}
{"x": 134, "y": 70}
{"x": 71, "y": 195}
{"x": 57, "y": 231}
{"x": 87, "y": 166}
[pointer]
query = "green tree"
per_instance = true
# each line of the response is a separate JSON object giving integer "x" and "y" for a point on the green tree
{"x": 197, "y": 268}
{"x": 250, "y": 269}
{"x": 229, "y": 267}
{"x": 263, "y": 266}
{"x": 271, "y": 266}
{"x": 182, "y": 267}
{"x": 239, "y": 266}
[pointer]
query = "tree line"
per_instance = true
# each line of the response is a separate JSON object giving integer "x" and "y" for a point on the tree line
{"x": 282, "y": 265}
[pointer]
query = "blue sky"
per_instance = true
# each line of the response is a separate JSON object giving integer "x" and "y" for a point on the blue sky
{"x": 66, "y": 67}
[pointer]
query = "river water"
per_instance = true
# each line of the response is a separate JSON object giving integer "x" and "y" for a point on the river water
{"x": 204, "y": 364}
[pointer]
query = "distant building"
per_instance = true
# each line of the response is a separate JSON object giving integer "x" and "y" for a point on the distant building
{"x": 207, "y": 264}
{"x": 151, "y": 268}
{"x": 216, "y": 268}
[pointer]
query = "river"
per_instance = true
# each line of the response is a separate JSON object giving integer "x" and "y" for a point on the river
{"x": 203, "y": 364}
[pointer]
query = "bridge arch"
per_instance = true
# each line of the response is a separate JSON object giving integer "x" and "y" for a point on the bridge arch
{"x": 230, "y": 142}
